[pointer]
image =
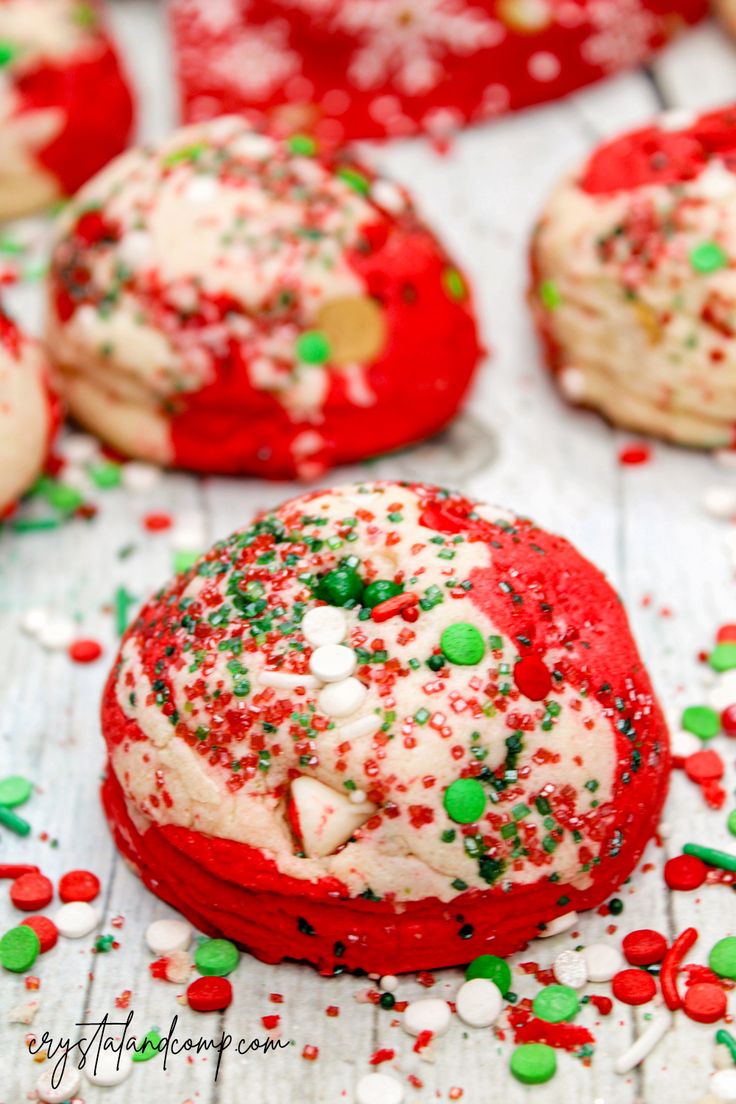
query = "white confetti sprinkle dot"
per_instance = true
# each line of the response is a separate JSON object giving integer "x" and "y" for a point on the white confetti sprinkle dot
{"x": 324, "y": 625}
{"x": 139, "y": 477}
{"x": 723, "y": 692}
{"x": 426, "y": 1014}
{"x": 33, "y": 620}
{"x": 165, "y": 936}
{"x": 603, "y": 961}
{"x": 67, "y": 1085}
{"x": 56, "y": 633}
{"x": 479, "y": 1002}
{"x": 719, "y": 501}
{"x": 340, "y": 699}
{"x": 570, "y": 968}
{"x": 723, "y": 1085}
{"x": 378, "y": 1088}
{"x": 76, "y": 919}
{"x": 111, "y": 1068}
{"x": 558, "y": 925}
{"x": 333, "y": 662}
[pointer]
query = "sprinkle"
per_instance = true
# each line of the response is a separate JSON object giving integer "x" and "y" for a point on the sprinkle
{"x": 312, "y": 347}
{"x": 479, "y": 1002}
{"x": 558, "y": 925}
{"x": 723, "y": 1086}
{"x": 31, "y": 892}
{"x": 550, "y": 294}
{"x": 105, "y": 475}
{"x": 333, "y": 662}
{"x": 14, "y": 791}
{"x": 671, "y": 964}
{"x": 723, "y": 657}
{"x": 111, "y": 1067}
{"x": 45, "y": 929}
{"x": 533, "y": 1063}
{"x": 556, "y": 1004}
{"x": 634, "y": 454}
{"x": 462, "y": 644}
{"x": 53, "y": 1089}
{"x": 148, "y": 1047}
{"x": 324, "y": 625}
{"x": 19, "y": 949}
{"x": 603, "y": 961}
{"x": 645, "y": 1044}
{"x": 57, "y": 633}
{"x": 634, "y": 987}
{"x": 79, "y": 885}
{"x": 726, "y": 1039}
{"x": 216, "y": 957}
{"x": 644, "y": 947}
{"x": 285, "y": 680}
{"x": 719, "y": 501}
{"x": 378, "y": 1088}
{"x": 570, "y": 969}
{"x": 157, "y": 523}
{"x": 389, "y": 983}
{"x": 493, "y": 968}
{"x": 532, "y": 678}
{"x": 34, "y": 525}
{"x": 702, "y": 721}
{"x": 464, "y": 800}
{"x": 76, "y": 919}
{"x": 709, "y": 855}
{"x": 722, "y": 958}
{"x": 708, "y": 257}
{"x": 165, "y": 936}
{"x": 85, "y": 651}
{"x": 705, "y": 1002}
{"x": 340, "y": 699}
{"x": 123, "y": 602}
{"x": 210, "y": 994}
{"x": 427, "y": 1014}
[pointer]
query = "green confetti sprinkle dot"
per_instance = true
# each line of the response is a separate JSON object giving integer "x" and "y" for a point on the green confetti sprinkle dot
{"x": 312, "y": 347}
{"x": 148, "y": 1047}
{"x": 708, "y": 257}
{"x": 556, "y": 1004}
{"x": 19, "y": 949}
{"x": 380, "y": 591}
{"x": 216, "y": 957}
{"x": 463, "y": 644}
{"x": 465, "y": 800}
{"x": 702, "y": 721}
{"x": 302, "y": 144}
{"x": 533, "y": 1063}
{"x": 493, "y": 968}
{"x": 723, "y": 657}
{"x": 105, "y": 475}
{"x": 14, "y": 790}
{"x": 454, "y": 284}
{"x": 732, "y": 822}
{"x": 550, "y": 294}
{"x": 722, "y": 959}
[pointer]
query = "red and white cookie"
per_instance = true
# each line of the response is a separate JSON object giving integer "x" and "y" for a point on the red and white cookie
{"x": 634, "y": 286}
{"x": 65, "y": 105}
{"x": 230, "y": 302}
{"x": 375, "y": 68}
{"x": 28, "y": 412}
{"x": 383, "y": 727}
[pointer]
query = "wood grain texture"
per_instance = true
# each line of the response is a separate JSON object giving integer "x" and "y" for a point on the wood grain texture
{"x": 517, "y": 445}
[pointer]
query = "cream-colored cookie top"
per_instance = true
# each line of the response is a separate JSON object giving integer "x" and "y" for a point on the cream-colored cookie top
{"x": 354, "y": 686}
{"x": 37, "y": 31}
{"x": 25, "y": 416}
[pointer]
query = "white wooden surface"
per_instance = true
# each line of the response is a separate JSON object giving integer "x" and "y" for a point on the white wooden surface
{"x": 518, "y": 445}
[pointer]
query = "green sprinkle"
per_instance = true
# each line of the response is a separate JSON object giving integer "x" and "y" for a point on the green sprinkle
{"x": 709, "y": 855}
{"x": 312, "y": 347}
{"x": 708, "y": 257}
{"x": 556, "y": 1004}
{"x": 454, "y": 284}
{"x": 550, "y": 294}
{"x": 16, "y": 824}
{"x": 722, "y": 958}
{"x": 340, "y": 587}
{"x": 462, "y": 643}
{"x": 380, "y": 591}
{"x": 493, "y": 968}
{"x": 723, "y": 657}
{"x": 123, "y": 601}
{"x": 732, "y": 822}
{"x": 34, "y": 525}
{"x": 105, "y": 475}
{"x": 187, "y": 153}
{"x": 148, "y": 1046}
{"x": 302, "y": 144}
{"x": 355, "y": 179}
{"x": 533, "y": 1063}
{"x": 183, "y": 560}
{"x": 216, "y": 957}
{"x": 726, "y": 1039}
{"x": 8, "y": 52}
{"x": 14, "y": 790}
{"x": 464, "y": 800}
{"x": 61, "y": 497}
{"x": 19, "y": 949}
{"x": 702, "y": 721}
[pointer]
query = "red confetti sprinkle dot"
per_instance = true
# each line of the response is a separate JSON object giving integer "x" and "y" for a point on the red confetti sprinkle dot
{"x": 532, "y": 678}
{"x": 685, "y": 872}
{"x": 85, "y": 651}
{"x": 156, "y": 523}
{"x": 644, "y": 947}
{"x": 635, "y": 454}
{"x": 633, "y": 987}
{"x": 726, "y": 634}
{"x": 311, "y": 1053}
{"x": 705, "y": 1002}
{"x": 728, "y": 720}
{"x": 704, "y": 766}
{"x": 31, "y": 892}
{"x": 79, "y": 885}
{"x": 270, "y": 1022}
{"x": 209, "y": 994}
{"x": 45, "y": 929}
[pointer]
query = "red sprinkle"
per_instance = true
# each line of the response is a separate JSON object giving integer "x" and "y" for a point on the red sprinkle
{"x": 726, "y": 634}
{"x": 270, "y": 1022}
{"x": 45, "y": 929}
{"x": 685, "y": 872}
{"x": 15, "y": 870}
{"x": 634, "y": 986}
{"x": 383, "y": 1055}
{"x": 209, "y": 994}
{"x": 728, "y": 720}
{"x": 400, "y": 602}
{"x": 705, "y": 1002}
{"x": 311, "y": 1053}
{"x": 79, "y": 885}
{"x": 704, "y": 766}
{"x": 532, "y": 678}
{"x": 671, "y": 964}
{"x": 31, "y": 892}
{"x": 644, "y": 947}
{"x": 635, "y": 454}
{"x": 156, "y": 523}
{"x": 85, "y": 651}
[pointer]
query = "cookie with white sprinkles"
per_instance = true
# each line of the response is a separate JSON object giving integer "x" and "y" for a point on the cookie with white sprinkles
{"x": 633, "y": 280}
{"x": 229, "y": 302}
{"x": 383, "y": 727}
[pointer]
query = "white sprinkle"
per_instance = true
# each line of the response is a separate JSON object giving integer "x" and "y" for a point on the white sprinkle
{"x": 719, "y": 501}
{"x": 715, "y": 182}
{"x": 24, "y": 1013}
{"x": 165, "y": 936}
{"x": 678, "y": 118}
{"x": 479, "y": 1002}
{"x": 357, "y": 797}
{"x": 665, "y": 829}
{"x": 284, "y": 680}
{"x": 340, "y": 699}
{"x": 110, "y": 1068}
{"x": 388, "y": 196}
{"x": 34, "y": 620}
{"x": 361, "y": 726}
{"x": 76, "y": 919}
{"x": 723, "y": 1084}
{"x": 426, "y": 1014}
{"x": 57, "y": 633}
{"x": 685, "y": 743}
{"x": 726, "y": 458}
{"x": 389, "y": 983}
{"x": 138, "y": 477}
{"x": 80, "y": 448}
{"x": 572, "y": 383}
{"x": 570, "y": 968}
{"x": 202, "y": 188}
{"x": 324, "y": 625}
{"x": 558, "y": 925}
{"x": 603, "y": 961}
{"x": 135, "y": 249}
{"x": 723, "y": 692}
{"x": 379, "y": 1088}
{"x": 68, "y": 1084}
{"x": 645, "y": 1044}
{"x": 333, "y": 662}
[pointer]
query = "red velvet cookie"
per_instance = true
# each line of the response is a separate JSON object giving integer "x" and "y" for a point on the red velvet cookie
{"x": 229, "y": 302}
{"x": 384, "y": 727}
{"x": 65, "y": 104}
{"x": 632, "y": 279}
{"x": 376, "y": 68}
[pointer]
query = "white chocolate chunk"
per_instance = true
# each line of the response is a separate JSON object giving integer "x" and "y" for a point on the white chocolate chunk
{"x": 325, "y": 819}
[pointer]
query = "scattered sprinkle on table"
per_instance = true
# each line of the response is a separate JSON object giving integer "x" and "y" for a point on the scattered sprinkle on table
{"x": 533, "y": 1063}
{"x": 85, "y": 651}
{"x": 165, "y": 936}
{"x": 45, "y": 929}
{"x": 634, "y": 987}
{"x": 556, "y": 1004}
{"x": 19, "y": 949}
{"x": 210, "y": 994}
{"x": 14, "y": 791}
{"x": 644, "y": 947}
{"x": 493, "y": 968}
{"x": 216, "y": 957}
{"x": 31, "y": 892}
{"x": 722, "y": 958}
{"x": 426, "y": 1014}
{"x": 76, "y": 919}
{"x": 79, "y": 885}
{"x": 685, "y": 873}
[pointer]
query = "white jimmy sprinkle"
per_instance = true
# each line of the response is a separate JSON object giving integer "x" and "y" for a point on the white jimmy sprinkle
{"x": 361, "y": 726}
{"x": 333, "y": 662}
{"x": 426, "y": 1014}
{"x": 165, "y": 936}
{"x": 479, "y": 1002}
{"x": 723, "y": 1085}
{"x": 570, "y": 968}
{"x": 558, "y": 925}
{"x": 340, "y": 699}
{"x": 284, "y": 680}
{"x": 378, "y": 1088}
{"x": 76, "y": 919}
{"x": 324, "y": 625}
{"x": 645, "y": 1044}
{"x": 603, "y": 961}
